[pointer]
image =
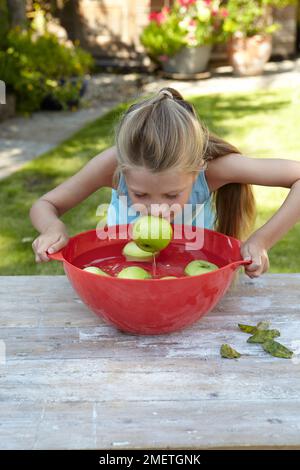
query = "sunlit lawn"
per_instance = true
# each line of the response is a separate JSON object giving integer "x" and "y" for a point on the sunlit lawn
{"x": 261, "y": 124}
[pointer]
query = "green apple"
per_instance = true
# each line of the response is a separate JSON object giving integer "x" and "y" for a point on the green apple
{"x": 152, "y": 233}
{"x": 199, "y": 266}
{"x": 95, "y": 270}
{"x": 132, "y": 252}
{"x": 168, "y": 277}
{"x": 134, "y": 272}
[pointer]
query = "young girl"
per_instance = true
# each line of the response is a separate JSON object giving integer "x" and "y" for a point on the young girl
{"x": 165, "y": 155}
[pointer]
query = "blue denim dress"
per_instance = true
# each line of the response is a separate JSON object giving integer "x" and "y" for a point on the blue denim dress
{"x": 201, "y": 212}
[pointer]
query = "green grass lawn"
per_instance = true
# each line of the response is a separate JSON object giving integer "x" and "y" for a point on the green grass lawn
{"x": 261, "y": 124}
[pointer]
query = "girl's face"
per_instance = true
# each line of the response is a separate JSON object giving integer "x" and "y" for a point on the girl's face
{"x": 166, "y": 188}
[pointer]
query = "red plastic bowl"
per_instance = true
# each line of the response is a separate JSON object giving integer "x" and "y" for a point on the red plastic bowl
{"x": 150, "y": 306}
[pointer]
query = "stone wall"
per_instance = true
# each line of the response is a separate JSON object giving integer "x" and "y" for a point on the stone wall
{"x": 109, "y": 29}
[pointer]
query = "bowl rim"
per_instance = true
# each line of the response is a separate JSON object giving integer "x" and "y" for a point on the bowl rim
{"x": 238, "y": 263}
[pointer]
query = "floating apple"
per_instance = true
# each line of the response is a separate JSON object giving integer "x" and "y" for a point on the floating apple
{"x": 152, "y": 233}
{"x": 95, "y": 270}
{"x": 168, "y": 277}
{"x": 134, "y": 272}
{"x": 199, "y": 266}
{"x": 132, "y": 252}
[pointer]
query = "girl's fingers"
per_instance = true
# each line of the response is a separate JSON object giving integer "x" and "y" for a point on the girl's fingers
{"x": 41, "y": 252}
{"x": 43, "y": 256}
{"x": 57, "y": 245}
{"x": 40, "y": 247}
{"x": 255, "y": 265}
{"x": 255, "y": 257}
{"x": 262, "y": 268}
{"x": 35, "y": 248}
{"x": 255, "y": 268}
{"x": 245, "y": 253}
{"x": 259, "y": 260}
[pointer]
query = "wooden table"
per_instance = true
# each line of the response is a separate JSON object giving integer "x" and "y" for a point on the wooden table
{"x": 70, "y": 381}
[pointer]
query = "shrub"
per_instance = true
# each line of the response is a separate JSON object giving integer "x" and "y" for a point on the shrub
{"x": 34, "y": 66}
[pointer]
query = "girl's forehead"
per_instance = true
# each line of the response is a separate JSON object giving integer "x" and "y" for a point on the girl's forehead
{"x": 142, "y": 179}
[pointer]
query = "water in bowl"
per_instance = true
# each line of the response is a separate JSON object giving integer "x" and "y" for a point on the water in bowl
{"x": 169, "y": 262}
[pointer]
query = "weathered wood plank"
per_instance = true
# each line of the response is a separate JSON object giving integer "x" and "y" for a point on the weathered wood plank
{"x": 202, "y": 341}
{"x": 150, "y": 424}
{"x": 145, "y": 379}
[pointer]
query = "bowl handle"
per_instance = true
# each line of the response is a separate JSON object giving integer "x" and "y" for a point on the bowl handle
{"x": 242, "y": 262}
{"x": 58, "y": 256}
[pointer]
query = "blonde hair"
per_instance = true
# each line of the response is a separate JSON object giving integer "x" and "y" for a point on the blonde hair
{"x": 164, "y": 132}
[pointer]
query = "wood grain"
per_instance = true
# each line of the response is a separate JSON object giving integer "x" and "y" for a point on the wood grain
{"x": 70, "y": 381}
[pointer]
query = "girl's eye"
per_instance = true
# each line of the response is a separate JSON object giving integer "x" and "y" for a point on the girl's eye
{"x": 168, "y": 196}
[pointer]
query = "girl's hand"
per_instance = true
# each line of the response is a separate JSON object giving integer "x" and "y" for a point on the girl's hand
{"x": 53, "y": 239}
{"x": 253, "y": 250}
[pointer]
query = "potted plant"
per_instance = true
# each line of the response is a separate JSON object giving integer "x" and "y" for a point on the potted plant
{"x": 42, "y": 72}
{"x": 249, "y": 27}
{"x": 180, "y": 38}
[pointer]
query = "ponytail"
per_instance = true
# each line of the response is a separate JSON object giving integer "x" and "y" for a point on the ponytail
{"x": 234, "y": 202}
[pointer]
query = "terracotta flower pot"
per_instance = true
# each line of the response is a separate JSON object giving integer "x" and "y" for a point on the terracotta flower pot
{"x": 248, "y": 55}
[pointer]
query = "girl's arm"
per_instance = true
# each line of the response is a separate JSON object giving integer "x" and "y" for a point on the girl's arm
{"x": 96, "y": 173}
{"x": 45, "y": 212}
{"x": 266, "y": 172}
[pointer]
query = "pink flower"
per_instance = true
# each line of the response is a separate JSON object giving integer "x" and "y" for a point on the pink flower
{"x": 208, "y": 2}
{"x": 224, "y": 13}
{"x": 165, "y": 10}
{"x": 159, "y": 16}
{"x": 186, "y": 3}
{"x": 153, "y": 16}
